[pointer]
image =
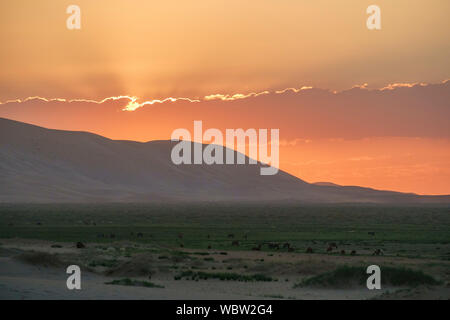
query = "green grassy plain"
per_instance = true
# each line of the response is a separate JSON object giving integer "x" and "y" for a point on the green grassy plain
{"x": 399, "y": 231}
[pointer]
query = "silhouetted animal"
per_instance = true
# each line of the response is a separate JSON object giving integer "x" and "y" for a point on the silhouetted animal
{"x": 209, "y": 247}
{"x": 333, "y": 245}
{"x": 377, "y": 252}
{"x": 329, "y": 249}
{"x": 342, "y": 251}
{"x": 235, "y": 243}
{"x": 181, "y": 245}
{"x": 140, "y": 235}
{"x": 287, "y": 245}
{"x": 258, "y": 248}
{"x": 309, "y": 250}
{"x": 80, "y": 245}
{"x": 231, "y": 235}
{"x": 353, "y": 253}
{"x": 273, "y": 246}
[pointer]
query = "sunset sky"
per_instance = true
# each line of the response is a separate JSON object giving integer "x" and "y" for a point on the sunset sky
{"x": 354, "y": 106}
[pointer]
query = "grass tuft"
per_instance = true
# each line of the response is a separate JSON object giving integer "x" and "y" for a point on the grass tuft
{"x": 224, "y": 276}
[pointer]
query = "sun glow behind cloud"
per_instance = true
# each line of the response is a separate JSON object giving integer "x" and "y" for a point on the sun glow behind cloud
{"x": 165, "y": 49}
{"x": 134, "y": 104}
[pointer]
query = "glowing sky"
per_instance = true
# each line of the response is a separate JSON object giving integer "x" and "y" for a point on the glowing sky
{"x": 159, "y": 49}
{"x": 233, "y": 56}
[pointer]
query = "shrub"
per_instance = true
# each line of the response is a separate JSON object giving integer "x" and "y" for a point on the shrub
{"x": 224, "y": 276}
{"x": 40, "y": 259}
{"x": 135, "y": 283}
{"x": 346, "y": 276}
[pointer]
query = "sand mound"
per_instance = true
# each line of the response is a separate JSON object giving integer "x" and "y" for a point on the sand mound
{"x": 345, "y": 277}
{"x": 139, "y": 265}
{"x": 40, "y": 259}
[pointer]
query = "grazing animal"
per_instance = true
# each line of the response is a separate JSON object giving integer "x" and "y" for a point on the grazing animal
{"x": 209, "y": 247}
{"x": 342, "y": 251}
{"x": 273, "y": 246}
{"x": 353, "y": 253}
{"x": 329, "y": 249}
{"x": 140, "y": 235}
{"x": 258, "y": 248}
{"x": 231, "y": 235}
{"x": 377, "y": 252}
{"x": 371, "y": 233}
{"x": 80, "y": 245}
{"x": 333, "y": 245}
{"x": 309, "y": 250}
{"x": 235, "y": 243}
{"x": 181, "y": 245}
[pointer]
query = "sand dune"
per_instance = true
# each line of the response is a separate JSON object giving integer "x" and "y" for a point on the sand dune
{"x": 44, "y": 165}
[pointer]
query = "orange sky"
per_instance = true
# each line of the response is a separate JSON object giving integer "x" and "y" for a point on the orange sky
{"x": 394, "y": 139}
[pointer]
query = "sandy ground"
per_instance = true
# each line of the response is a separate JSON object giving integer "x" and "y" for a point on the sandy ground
{"x": 19, "y": 280}
{"x": 22, "y": 281}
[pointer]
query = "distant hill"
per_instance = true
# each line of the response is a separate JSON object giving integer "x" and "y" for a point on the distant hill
{"x": 39, "y": 165}
{"x": 328, "y": 184}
